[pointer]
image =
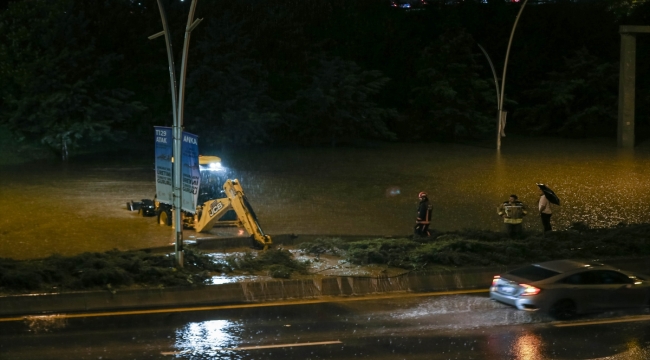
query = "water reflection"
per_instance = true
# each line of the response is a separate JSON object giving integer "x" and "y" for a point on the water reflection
{"x": 45, "y": 323}
{"x": 528, "y": 346}
{"x": 635, "y": 351}
{"x": 209, "y": 340}
{"x": 227, "y": 279}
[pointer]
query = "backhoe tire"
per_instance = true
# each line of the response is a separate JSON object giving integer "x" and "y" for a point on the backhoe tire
{"x": 165, "y": 217}
{"x": 255, "y": 245}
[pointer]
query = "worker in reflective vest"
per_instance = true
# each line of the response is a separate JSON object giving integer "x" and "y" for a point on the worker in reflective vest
{"x": 512, "y": 212}
{"x": 423, "y": 219}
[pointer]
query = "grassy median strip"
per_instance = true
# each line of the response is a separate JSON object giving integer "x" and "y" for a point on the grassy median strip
{"x": 442, "y": 251}
{"x": 114, "y": 270}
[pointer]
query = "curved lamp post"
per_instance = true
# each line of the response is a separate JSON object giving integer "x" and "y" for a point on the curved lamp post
{"x": 177, "y": 109}
{"x": 503, "y": 78}
{"x": 496, "y": 86}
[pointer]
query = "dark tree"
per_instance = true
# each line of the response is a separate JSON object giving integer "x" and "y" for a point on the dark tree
{"x": 451, "y": 100}
{"x": 54, "y": 81}
{"x": 579, "y": 100}
{"x": 227, "y": 87}
{"x": 337, "y": 104}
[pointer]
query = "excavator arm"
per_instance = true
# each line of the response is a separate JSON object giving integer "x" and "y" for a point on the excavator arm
{"x": 211, "y": 211}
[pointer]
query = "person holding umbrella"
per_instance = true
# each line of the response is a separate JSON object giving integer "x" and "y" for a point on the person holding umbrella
{"x": 546, "y": 197}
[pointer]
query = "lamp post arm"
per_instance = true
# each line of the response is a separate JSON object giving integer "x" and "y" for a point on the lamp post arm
{"x": 170, "y": 56}
{"x": 494, "y": 73}
{"x": 186, "y": 44}
{"x": 505, "y": 64}
{"x": 496, "y": 86}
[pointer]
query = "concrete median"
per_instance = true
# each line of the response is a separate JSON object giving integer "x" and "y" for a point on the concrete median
{"x": 237, "y": 293}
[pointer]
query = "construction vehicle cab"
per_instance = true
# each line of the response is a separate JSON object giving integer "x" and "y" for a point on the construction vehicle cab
{"x": 221, "y": 202}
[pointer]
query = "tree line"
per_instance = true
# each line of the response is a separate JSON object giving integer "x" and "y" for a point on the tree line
{"x": 313, "y": 72}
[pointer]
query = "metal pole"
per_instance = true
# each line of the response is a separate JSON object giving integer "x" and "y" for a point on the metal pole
{"x": 176, "y": 201}
{"x": 178, "y": 135}
{"x": 177, "y": 128}
{"x": 503, "y": 78}
{"x": 496, "y": 86}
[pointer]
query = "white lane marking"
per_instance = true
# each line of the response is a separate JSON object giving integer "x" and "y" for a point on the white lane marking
{"x": 600, "y": 322}
{"x": 258, "y": 347}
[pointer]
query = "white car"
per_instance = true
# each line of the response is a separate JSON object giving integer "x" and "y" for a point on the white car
{"x": 565, "y": 288}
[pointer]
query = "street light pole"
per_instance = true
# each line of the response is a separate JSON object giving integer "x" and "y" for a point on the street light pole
{"x": 177, "y": 109}
{"x": 503, "y": 78}
{"x": 496, "y": 86}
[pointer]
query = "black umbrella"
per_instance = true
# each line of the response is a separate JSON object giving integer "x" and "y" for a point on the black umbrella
{"x": 550, "y": 195}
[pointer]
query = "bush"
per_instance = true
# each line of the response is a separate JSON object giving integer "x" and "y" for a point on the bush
{"x": 392, "y": 252}
{"x": 280, "y": 271}
{"x": 320, "y": 246}
{"x": 113, "y": 269}
{"x": 20, "y": 280}
{"x": 483, "y": 248}
{"x": 277, "y": 262}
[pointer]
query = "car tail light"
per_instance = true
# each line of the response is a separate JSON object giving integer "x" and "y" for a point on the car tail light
{"x": 495, "y": 279}
{"x": 529, "y": 290}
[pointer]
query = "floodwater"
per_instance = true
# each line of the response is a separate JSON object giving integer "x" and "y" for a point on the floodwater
{"x": 78, "y": 207}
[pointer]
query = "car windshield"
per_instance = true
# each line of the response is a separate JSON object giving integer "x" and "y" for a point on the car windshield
{"x": 533, "y": 273}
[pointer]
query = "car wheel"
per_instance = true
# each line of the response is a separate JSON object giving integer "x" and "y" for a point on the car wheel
{"x": 564, "y": 310}
{"x": 165, "y": 218}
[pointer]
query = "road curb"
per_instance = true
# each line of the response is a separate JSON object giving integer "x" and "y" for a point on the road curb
{"x": 243, "y": 292}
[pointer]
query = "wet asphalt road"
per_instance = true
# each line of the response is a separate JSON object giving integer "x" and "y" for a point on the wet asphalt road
{"x": 416, "y": 327}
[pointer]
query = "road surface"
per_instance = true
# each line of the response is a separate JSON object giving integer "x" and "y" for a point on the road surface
{"x": 463, "y": 326}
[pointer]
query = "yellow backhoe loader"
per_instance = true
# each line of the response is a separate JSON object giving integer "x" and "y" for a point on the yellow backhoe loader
{"x": 221, "y": 202}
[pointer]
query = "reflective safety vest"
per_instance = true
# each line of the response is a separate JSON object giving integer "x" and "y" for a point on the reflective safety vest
{"x": 512, "y": 213}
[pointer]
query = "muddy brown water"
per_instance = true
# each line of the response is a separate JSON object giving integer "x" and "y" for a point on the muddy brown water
{"x": 48, "y": 208}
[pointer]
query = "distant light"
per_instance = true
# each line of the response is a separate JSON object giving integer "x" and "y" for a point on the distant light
{"x": 213, "y": 166}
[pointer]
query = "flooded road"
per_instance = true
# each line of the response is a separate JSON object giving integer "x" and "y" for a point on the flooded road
{"x": 417, "y": 327}
{"x": 77, "y": 207}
